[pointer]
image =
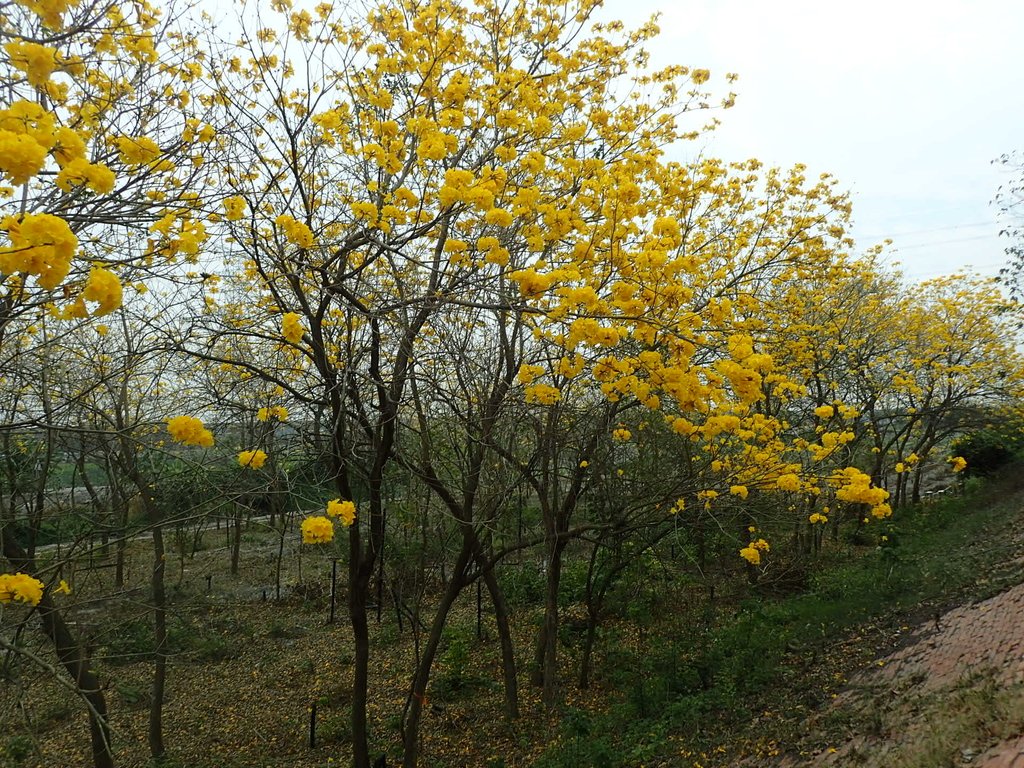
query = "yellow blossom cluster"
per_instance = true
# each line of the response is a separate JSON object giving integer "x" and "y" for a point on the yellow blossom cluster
{"x": 104, "y": 288}
{"x": 40, "y": 244}
{"x": 752, "y": 552}
{"x": 234, "y": 208}
{"x": 20, "y": 587}
{"x": 317, "y": 530}
{"x": 274, "y": 412}
{"x": 189, "y": 430}
{"x": 343, "y": 510}
{"x": 295, "y": 231}
{"x": 542, "y": 394}
{"x": 855, "y": 487}
{"x": 254, "y": 459}
{"x": 291, "y": 327}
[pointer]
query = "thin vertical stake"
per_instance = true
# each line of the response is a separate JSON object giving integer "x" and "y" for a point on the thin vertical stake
{"x": 312, "y": 726}
{"x": 334, "y": 587}
{"x": 479, "y": 610}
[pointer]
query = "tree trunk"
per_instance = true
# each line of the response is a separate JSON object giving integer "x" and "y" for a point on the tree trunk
{"x": 545, "y": 670}
{"x": 360, "y": 678}
{"x": 72, "y": 657}
{"x": 414, "y": 708}
{"x": 588, "y": 649}
{"x": 508, "y": 655}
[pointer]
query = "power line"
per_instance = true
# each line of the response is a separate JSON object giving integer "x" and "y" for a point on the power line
{"x": 940, "y": 243}
{"x": 928, "y": 231}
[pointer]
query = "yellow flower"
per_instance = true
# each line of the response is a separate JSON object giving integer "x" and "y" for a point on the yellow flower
{"x": 35, "y": 60}
{"x": 499, "y": 217}
{"x": 291, "y": 327}
{"x": 189, "y": 430}
{"x": 41, "y": 244}
{"x": 234, "y": 208}
{"x": 900, "y": 468}
{"x": 957, "y": 463}
{"x": 62, "y": 588}
{"x": 751, "y": 555}
{"x": 542, "y": 394}
{"x": 295, "y": 232}
{"x": 739, "y": 490}
{"x": 346, "y": 510}
{"x": 276, "y": 412}
{"x": 621, "y": 435}
{"x": 21, "y": 156}
{"x": 817, "y": 518}
{"x": 253, "y": 459}
{"x": 317, "y": 530}
{"x": 20, "y": 587}
{"x": 104, "y": 288}
{"x": 137, "y": 150}
{"x": 788, "y": 482}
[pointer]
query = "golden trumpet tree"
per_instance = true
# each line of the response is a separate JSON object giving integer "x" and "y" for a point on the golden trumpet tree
{"x": 97, "y": 136}
{"x": 392, "y": 176}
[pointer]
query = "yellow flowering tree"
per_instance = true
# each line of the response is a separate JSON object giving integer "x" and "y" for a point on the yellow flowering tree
{"x": 464, "y": 162}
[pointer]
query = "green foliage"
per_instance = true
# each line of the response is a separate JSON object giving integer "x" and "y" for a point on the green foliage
{"x": 991, "y": 449}
{"x": 197, "y": 641}
{"x": 586, "y": 741}
{"x": 16, "y": 750}
{"x": 455, "y": 675}
{"x": 522, "y": 585}
{"x": 133, "y": 695}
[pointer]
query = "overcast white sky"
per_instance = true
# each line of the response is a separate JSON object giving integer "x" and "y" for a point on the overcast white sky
{"x": 907, "y": 102}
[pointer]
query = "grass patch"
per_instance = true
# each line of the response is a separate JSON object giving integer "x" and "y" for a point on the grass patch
{"x": 700, "y": 681}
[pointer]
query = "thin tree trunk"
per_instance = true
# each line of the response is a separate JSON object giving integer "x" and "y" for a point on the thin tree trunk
{"x": 414, "y": 708}
{"x": 546, "y": 655}
{"x": 508, "y": 655}
{"x": 361, "y": 642}
{"x": 73, "y": 658}
{"x": 588, "y": 649}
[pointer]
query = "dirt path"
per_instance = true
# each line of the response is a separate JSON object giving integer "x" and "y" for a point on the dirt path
{"x": 952, "y": 696}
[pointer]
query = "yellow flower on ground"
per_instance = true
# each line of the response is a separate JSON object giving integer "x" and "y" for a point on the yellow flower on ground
{"x": 20, "y": 587}
{"x": 345, "y": 510}
{"x": 189, "y": 430}
{"x": 252, "y": 459}
{"x": 317, "y": 530}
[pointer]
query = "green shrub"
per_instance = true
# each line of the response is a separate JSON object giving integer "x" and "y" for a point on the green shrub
{"x": 522, "y": 585}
